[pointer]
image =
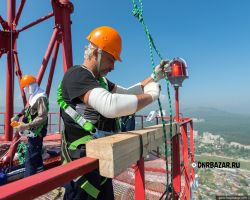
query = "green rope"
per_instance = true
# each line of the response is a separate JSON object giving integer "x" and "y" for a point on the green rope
{"x": 21, "y": 151}
{"x": 138, "y": 13}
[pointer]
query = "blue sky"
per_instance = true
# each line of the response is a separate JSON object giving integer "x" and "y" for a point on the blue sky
{"x": 212, "y": 36}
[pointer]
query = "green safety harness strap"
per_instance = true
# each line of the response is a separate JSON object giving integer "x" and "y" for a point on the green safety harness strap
{"x": 78, "y": 118}
{"x": 103, "y": 83}
{"x": 87, "y": 126}
{"x": 138, "y": 13}
{"x": 80, "y": 141}
{"x": 37, "y": 132}
{"x": 21, "y": 152}
{"x": 90, "y": 189}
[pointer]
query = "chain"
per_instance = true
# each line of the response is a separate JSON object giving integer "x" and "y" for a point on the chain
{"x": 138, "y": 13}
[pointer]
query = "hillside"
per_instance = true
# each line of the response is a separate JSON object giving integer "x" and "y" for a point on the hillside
{"x": 231, "y": 126}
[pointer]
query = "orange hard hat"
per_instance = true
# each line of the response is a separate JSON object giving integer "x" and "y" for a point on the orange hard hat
{"x": 26, "y": 80}
{"x": 107, "y": 39}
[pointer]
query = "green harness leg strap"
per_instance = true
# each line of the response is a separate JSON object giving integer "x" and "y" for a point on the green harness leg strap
{"x": 86, "y": 185}
{"x": 90, "y": 189}
{"x": 81, "y": 141}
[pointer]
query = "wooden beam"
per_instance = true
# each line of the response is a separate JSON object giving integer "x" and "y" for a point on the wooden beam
{"x": 117, "y": 152}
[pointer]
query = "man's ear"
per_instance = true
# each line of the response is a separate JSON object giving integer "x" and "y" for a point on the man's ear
{"x": 95, "y": 53}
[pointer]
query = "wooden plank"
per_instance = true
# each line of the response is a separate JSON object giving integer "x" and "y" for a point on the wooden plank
{"x": 119, "y": 151}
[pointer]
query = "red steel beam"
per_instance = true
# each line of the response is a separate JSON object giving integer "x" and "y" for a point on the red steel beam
{"x": 176, "y": 166}
{"x": 47, "y": 56}
{"x": 139, "y": 180}
{"x": 185, "y": 121}
{"x": 19, "y": 76}
{"x": 11, "y": 10}
{"x": 176, "y": 103}
{"x": 185, "y": 157}
{"x": 52, "y": 68}
{"x": 11, "y": 151}
{"x": 62, "y": 10}
{"x": 19, "y": 11}
{"x": 4, "y": 23}
{"x": 191, "y": 143}
{"x": 9, "y": 97}
{"x": 176, "y": 152}
{"x": 35, "y": 22}
{"x": 41, "y": 183}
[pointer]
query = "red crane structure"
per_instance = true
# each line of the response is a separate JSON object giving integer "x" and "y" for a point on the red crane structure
{"x": 8, "y": 45}
{"x": 38, "y": 184}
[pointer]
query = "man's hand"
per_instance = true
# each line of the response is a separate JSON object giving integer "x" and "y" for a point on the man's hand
{"x": 22, "y": 127}
{"x": 153, "y": 89}
{"x": 15, "y": 118}
{"x": 161, "y": 70}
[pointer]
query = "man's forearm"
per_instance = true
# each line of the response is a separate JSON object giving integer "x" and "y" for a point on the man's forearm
{"x": 143, "y": 100}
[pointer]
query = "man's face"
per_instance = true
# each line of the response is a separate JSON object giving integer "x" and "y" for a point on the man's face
{"x": 107, "y": 64}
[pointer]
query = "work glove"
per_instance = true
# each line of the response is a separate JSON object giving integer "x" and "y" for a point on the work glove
{"x": 15, "y": 118}
{"x": 22, "y": 127}
{"x": 153, "y": 89}
{"x": 161, "y": 70}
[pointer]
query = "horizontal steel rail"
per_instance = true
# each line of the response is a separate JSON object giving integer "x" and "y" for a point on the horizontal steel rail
{"x": 41, "y": 183}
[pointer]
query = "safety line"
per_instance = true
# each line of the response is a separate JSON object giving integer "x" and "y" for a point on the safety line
{"x": 138, "y": 13}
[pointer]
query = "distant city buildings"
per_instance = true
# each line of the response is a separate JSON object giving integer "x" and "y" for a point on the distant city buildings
{"x": 198, "y": 120}
{"x": 209, "y": 138}
{"x": 236, "y": 144}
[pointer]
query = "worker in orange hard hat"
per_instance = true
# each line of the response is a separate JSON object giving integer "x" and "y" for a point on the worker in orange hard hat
{"x": 34, "y": 123}
{"x": 91, "y": 106}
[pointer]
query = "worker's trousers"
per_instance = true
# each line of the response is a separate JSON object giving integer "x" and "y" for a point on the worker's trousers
{"x": 33, "y": 158}
{"x": 73, "y": 189}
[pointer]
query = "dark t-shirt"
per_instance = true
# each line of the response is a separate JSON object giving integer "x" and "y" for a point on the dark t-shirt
{"x": 76, "y": 82}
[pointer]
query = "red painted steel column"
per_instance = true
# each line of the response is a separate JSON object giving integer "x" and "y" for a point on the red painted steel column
{"x": 11, "y": 7}
{"x": 192, "y": 147}
{"x": 66, "y": 35}
{"x": 176, "y": 166}
{"x": 52, "y": 68}
{"x": 176, "y": 103}
{"x": 139, "y": 180}
{"x": 176, "y": 152}
{"x": 19, "y": 75}
{"x": 19, "y": 11}
{"x": 185, "y": 159}
{"x": 9, "y": 98}
{"x": 47, "y": 56}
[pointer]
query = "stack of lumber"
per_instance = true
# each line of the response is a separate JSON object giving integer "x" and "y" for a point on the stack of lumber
{"x": 117, "y": 152}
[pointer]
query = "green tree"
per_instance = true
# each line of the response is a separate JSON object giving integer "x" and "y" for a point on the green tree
{"x": 242, "y": 191}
